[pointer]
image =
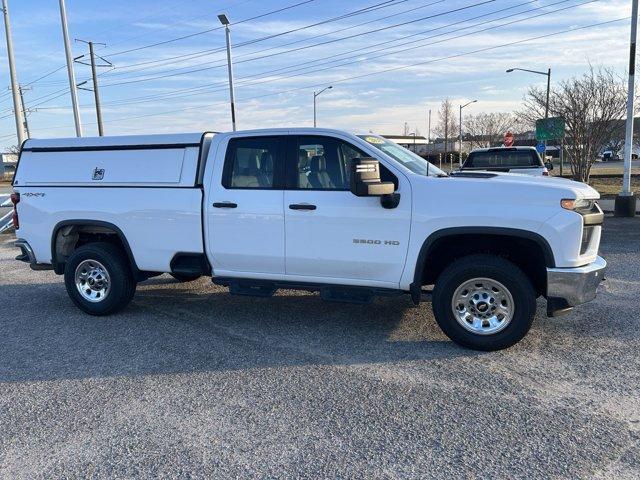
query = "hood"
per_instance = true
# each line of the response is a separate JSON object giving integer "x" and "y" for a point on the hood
{"x": 563, "y": 186}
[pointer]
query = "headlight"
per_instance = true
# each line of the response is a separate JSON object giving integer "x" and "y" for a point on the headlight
{"x": 580, "y": 204}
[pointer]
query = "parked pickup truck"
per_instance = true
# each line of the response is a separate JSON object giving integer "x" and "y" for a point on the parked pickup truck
{"x": 350, "y": 216}
{"x": 523, "y": 160}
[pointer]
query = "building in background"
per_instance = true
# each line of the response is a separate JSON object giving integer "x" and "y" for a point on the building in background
{"x": 8, "y": 165}
{"x": 416, "y": 144}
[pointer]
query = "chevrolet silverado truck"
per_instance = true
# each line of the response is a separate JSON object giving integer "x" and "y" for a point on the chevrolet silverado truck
{"x": 350, "y": 216}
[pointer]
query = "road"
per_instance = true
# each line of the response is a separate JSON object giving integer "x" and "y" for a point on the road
{"x": 597, "y": 166}
{"x": 192, "y": 382}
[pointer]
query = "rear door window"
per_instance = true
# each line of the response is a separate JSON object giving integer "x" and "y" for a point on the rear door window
{"x": 503, "y": 159}
{"x": 254, "y": 163}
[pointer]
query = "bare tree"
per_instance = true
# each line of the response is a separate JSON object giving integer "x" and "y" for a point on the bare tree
{"x": 447, "y": 126}
{"x": 487, "y": 129}
{"x": 591, "y": 105}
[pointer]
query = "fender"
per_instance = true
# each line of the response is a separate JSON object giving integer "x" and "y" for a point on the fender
{"x": 58, "y": 267}
{"x": 416, "y": 287}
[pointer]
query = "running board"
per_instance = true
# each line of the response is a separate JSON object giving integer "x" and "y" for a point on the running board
{"x": 329, "y": 292}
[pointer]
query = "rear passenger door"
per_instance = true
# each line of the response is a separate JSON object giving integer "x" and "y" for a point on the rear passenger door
{"x": 245, "y": 209}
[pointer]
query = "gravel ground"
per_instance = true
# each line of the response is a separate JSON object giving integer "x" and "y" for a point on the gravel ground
{"x": 192, "y": 382}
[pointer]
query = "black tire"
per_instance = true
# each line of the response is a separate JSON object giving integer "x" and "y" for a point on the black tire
{"x": 496, "y": 269}
{"x": 122, "y": 285}
{"x": 185, "y": 278}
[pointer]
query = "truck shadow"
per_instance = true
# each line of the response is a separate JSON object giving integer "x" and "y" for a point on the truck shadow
{"x": 171, "y": 329}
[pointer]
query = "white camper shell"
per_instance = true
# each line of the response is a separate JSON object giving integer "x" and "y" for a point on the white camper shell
{"x": 144, "y": 161}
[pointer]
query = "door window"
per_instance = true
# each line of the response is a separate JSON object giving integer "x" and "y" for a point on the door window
{"x": 322, "y": 163}
{"x": 253, "y": 163}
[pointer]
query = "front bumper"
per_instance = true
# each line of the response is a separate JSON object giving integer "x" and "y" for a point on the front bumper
{"x": 568, "y": 287}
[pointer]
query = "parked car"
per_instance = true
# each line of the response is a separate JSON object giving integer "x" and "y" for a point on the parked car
{"x": 609, "y": 156}
{"x": 313, "y": 209}
{"x": 524, "y": 160}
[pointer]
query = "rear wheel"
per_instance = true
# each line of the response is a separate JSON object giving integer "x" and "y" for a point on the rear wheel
{"x": 484, "y": 302}
{"x": 98, "y": 278}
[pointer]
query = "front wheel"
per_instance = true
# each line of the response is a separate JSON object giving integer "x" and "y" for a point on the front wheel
{"x": 484, "y": 302}
{"x": 98, "y": 278}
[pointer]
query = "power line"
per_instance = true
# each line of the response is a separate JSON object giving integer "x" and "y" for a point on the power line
{"x": 428, "y": 17}
{"x": 296, "y": 66}
{"x": 360, "y": 11}
{"x": 174, "y": 5}
{"x": 393, "y": 69}
{"x": 201, "y": 53}
{"x": 199, "y": 90}
{"x": 191, "y": 35}
{"x": 299, "y": 67}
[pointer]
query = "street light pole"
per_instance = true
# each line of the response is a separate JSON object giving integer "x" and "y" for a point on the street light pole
{"x": 15, "y": 87}
{"x": 625, "y": 203}
{"x": 460, "y": 131}
{"x": 315, "y": 95}
{"x": 225, "y": 21}
{"x": 413, "y": 134}
{"x": 70, "y": 72}
{"x": 546, "y": 106}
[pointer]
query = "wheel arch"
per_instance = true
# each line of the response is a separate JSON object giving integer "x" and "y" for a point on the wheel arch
{"x": 461, "y": 241}
{"x": 94, "y": 227}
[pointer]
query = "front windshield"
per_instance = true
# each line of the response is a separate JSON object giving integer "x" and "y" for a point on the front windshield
{"x": 407, "y": 158}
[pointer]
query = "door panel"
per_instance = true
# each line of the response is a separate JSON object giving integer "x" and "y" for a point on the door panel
{"x": 332, "y": 235}
{"x": 346, "y": 237}
{"x": 245, "y": 217}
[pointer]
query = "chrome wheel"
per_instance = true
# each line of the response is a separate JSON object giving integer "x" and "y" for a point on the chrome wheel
{"x": 92, "y": 281}
{"x": 483, "y": 306}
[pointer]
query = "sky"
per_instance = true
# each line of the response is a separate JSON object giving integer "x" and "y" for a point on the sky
{"x": 389, "y": 62}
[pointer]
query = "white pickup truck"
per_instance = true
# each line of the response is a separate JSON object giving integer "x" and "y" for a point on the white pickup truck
{"x": 350, "y": 216}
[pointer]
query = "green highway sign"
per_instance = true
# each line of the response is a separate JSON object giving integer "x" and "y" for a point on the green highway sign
{"x": 550, "y": 128}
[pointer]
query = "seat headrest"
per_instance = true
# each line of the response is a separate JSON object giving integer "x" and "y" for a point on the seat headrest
{"x": 318, "y": 163}
{"x": 266, "y": 162}
{"x": 302, "y": 154}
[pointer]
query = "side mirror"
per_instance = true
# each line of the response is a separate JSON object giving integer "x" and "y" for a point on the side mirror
{"x": 549, "y": 165}
{"x": 365, "y": 179}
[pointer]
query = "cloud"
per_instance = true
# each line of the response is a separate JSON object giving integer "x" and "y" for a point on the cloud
{"x": 361, "y": 99}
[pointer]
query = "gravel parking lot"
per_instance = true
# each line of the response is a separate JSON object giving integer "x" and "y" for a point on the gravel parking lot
{"x": 192, "y": 382}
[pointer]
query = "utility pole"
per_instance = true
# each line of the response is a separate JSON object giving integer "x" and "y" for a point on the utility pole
{"x": 94, "y": 75}
{"x": 96, "y": 92}
{"x": 14, "y": 76}
{"x": 70, "y": 72}
{"x": 24, "y": 112}
{"x": 227, "y": 32}
{"x": 429, "y": 128}
{"x": 625, "y": 204}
